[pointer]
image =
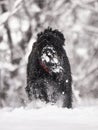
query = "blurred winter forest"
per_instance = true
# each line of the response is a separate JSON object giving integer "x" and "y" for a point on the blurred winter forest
{"x": 21, "y": 20}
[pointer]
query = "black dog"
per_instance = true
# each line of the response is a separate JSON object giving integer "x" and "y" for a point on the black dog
{"x": 48, "y": 70}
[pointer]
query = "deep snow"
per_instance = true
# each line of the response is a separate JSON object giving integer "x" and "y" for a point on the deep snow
{"x": 49, "y": 118}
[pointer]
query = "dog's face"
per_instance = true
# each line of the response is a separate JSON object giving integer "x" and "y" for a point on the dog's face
{"x": 50, "y": 59}
{"x": 50, "y": 43}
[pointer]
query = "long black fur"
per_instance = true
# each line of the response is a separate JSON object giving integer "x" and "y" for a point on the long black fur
{"x": 39, "y": 82}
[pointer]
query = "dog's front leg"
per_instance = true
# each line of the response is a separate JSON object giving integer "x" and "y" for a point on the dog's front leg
{"x": 67, "y": 94}
{"x": 37, "y": 90}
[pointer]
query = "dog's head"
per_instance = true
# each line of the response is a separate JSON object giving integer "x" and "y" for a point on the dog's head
{"x": 49, "y": 45}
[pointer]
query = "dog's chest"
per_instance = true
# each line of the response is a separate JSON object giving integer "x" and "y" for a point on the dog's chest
{"x": 54, "y": 91}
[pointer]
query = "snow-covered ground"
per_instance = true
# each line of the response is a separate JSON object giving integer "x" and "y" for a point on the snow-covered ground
{"x": 49, "y": 118}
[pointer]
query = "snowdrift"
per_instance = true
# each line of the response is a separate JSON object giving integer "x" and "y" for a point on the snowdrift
{"x": 49, "y": 118}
